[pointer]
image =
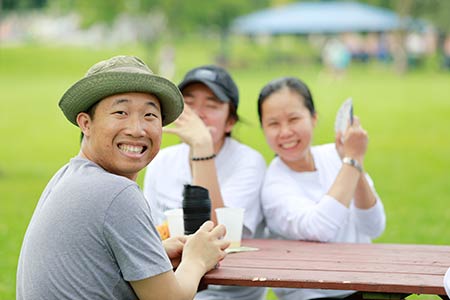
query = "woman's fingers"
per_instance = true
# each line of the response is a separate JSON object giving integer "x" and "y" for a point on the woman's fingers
{"x": 356, "y": 122}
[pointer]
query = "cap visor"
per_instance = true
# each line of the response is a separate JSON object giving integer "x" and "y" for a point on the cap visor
{"x": 215, "y": 88}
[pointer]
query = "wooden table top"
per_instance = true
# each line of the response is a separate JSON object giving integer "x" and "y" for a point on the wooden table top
{"x": 381, "y": 268}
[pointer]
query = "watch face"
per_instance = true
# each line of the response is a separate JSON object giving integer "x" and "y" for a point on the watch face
{"x": 352, "y": 162}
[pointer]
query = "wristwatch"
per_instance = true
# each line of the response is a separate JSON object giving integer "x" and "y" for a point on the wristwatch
{"x": 352, "y": 162}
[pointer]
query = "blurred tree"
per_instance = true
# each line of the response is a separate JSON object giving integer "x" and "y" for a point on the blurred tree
{"x": 436, "y": 11}
{"x": 103, "y": 11}
{"x": 197, "y": 15}
{"x": 9, "y": 5}
{"x": 274, "y": 3}
{"x": 182, "y": 16}
{"x": 381, "y": 3}
{"x": 98, "y": 11}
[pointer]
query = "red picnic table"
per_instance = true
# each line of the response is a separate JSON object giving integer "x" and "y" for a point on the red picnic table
{"x": 381, "y": 271}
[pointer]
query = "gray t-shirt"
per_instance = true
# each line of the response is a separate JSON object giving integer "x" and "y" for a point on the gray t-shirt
{"x": 91, "y": 234}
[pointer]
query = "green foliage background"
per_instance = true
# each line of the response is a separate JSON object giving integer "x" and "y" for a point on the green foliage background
{"x": 185, "y": 16}
{"x": 406, "y": 117}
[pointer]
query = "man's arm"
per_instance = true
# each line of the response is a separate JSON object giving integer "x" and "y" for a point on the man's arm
{"x": 174, "y": 249}
{"x": 202, "y": 251}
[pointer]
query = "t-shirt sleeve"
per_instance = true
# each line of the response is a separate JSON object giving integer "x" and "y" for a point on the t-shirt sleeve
{"x": 132, "y": 237}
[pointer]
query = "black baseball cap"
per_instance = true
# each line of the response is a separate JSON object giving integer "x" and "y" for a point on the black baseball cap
{"x": 215, "y": 78}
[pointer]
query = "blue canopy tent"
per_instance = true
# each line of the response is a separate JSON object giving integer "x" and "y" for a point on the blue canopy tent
{"x": 318, "y": 17}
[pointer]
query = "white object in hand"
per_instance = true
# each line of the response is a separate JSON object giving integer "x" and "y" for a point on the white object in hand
{"x": 343, "y": 116}
{"x": 175, "y": 221}
{"x": 233, "y": 219}
{"x": 447, "y": 282}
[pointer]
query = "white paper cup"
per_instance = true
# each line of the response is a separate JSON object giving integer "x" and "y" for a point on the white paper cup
{"x": 175, "y": 221}
{"x": 233, "y": 220}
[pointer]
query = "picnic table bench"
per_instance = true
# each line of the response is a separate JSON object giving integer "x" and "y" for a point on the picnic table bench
{"x": 380, "y": 271}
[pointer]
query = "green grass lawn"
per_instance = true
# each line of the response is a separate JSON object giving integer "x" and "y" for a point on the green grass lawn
{"x": 407, "y": 118}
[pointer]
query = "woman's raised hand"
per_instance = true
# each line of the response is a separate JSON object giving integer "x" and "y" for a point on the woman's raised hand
{"x": 355, "y": 141}
{"x": 191, "y": 129}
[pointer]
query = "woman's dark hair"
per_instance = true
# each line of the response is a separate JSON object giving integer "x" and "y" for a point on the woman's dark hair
{"x": 233, "y": 115}
{"x": 293, "y": 84}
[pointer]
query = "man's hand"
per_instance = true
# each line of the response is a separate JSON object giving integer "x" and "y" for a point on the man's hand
{"x": 206, "y": 246}
{"x": 174, "y": 249}
{"x": 201, "y": 252}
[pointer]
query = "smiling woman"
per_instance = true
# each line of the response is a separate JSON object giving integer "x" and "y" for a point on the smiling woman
{"x": 312, "y": 192}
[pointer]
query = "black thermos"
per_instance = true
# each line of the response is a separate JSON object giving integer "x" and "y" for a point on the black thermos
{"x": 196, "y": 207}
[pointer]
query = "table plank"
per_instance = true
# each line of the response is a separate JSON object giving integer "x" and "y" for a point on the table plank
{"x": 417, "y": 261}
{"x": 357, "y": 253}
{"x": 360, "y": 281}
{"x": 334, "y": 266}
{"x": 387, "y": 268}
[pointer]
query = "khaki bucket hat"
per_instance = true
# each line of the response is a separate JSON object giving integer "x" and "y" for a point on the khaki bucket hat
{"x": 121, "y": 74}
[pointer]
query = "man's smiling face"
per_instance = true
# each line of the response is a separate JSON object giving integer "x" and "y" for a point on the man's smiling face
{"x": 124, "y": 133}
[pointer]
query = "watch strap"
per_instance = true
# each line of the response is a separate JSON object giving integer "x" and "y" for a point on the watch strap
{"x": 352, "y": 162}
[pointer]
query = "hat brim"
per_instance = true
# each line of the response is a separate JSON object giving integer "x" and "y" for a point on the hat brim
{"x": 89, "y": 90}
{"x": 216, "y": 89}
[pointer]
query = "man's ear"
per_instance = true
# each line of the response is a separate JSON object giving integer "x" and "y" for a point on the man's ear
{"x": 84, "y": 121}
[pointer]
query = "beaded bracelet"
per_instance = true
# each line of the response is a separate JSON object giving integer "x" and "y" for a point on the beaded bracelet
{"x": 203, "y": 158}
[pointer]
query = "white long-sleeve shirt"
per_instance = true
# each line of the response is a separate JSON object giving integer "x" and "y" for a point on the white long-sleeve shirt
{"x": 240, "y": 172}
{"x": 296, "y": 206}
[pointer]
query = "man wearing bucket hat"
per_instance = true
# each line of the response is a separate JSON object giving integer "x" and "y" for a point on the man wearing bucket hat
{"x": 92, "y": 235}
{"x": 209, "y": 157}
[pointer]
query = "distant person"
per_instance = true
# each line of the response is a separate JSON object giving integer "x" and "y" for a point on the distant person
{"x": 92, "y": 235}
{"x": 209, "y": 157}
{"x": 415, "y": 49}
{"x": 355, "y": 45}
{"x": 314, "y": 193}
{"x": 167, "y": 62}
{"x": 383, "y": 49}
{"x": 446, "y": 52}
{"x": 336, "y": 57}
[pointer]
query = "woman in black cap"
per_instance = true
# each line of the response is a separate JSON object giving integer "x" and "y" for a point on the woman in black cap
{"x": 211, "y": 158}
